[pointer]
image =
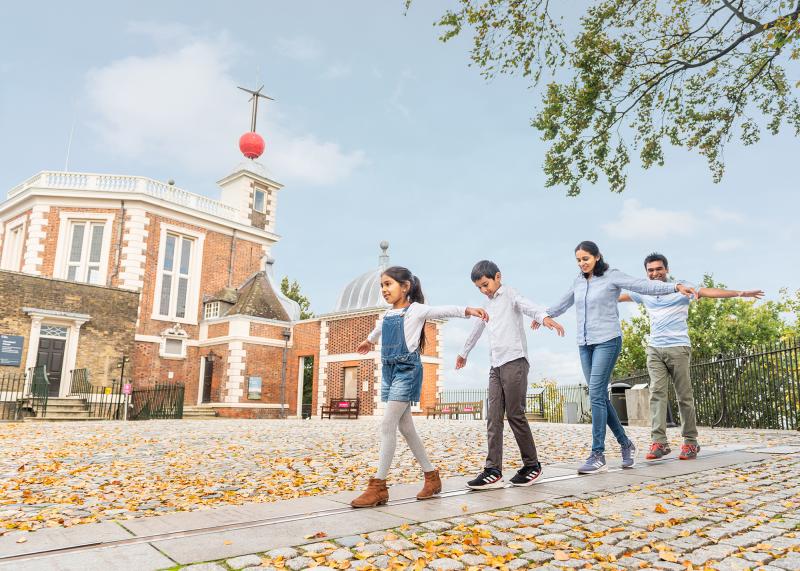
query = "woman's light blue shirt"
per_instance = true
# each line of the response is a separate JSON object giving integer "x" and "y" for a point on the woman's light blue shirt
{"x": 596, "y": 301}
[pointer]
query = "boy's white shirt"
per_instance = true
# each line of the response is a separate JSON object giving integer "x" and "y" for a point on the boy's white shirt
{"x": 414, "y": 321}
{"x": 506, "y": 325}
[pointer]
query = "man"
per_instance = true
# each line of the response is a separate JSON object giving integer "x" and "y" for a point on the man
{"x": 668, "y": 356}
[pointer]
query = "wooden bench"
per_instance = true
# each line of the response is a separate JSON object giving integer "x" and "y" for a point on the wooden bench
{"x": 454, "y": 409}
{"x": 341, "y": 407}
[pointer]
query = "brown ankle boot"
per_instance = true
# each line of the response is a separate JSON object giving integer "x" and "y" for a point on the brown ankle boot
{"x": 433, "y": 485}
{"x": 375, "y": 495}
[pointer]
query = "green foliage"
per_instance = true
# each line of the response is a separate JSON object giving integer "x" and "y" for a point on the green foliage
{"x": 636, "y": 75}
{"x": 717, "y": 326}
{"x": 292, "y": 291}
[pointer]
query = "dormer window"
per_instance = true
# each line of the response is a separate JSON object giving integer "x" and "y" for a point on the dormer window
{"x": 212, "y": 310}
{"x": 259, "y": 201}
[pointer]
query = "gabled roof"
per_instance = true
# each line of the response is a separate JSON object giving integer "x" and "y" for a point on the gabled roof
{"x": 257, "y": 298}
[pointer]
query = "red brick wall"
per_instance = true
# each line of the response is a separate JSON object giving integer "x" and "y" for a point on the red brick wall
{"x": 53, "y": 229}
{"x": 266, "y": 331}
{"x": 218, "y": 329}
{"x": 216, "y": 253}
{"x": 428, "y": 397}
{"x": 344, "y": 335}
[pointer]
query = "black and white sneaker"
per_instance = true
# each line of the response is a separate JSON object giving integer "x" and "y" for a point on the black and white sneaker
{"x": 527, "y": 475}
{"x": 488, "y": 479}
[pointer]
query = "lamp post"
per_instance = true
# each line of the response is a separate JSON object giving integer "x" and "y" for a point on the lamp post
{"x": 287, "y": 334}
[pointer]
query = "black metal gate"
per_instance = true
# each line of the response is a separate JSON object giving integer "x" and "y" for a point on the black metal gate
{"x": 157, "y": 402}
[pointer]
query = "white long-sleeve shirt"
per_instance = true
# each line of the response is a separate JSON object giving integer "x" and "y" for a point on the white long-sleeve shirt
{"x": 414, "y": 321}
{"x": 506, "y": 326}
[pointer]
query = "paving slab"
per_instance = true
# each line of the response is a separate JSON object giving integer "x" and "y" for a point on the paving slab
{"x": 473, "y": 502}
{"x": 59, "y": 537}
{"x": 673, "y": 467}
{"x": 223, "y": 545}
{"x": 227, "y": 515}
{"x": 777, "y": 450}
{"x": 120, "y": 558}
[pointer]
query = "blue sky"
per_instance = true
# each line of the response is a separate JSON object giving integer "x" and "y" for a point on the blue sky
{"x": 379, "y": 132}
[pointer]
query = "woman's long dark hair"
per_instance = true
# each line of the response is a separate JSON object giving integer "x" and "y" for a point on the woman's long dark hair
{"x": 601, "y": 266}
{"x": 403, "y": 275}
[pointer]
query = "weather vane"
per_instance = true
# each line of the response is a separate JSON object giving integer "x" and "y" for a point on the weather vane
{"x": 255, "y": 96}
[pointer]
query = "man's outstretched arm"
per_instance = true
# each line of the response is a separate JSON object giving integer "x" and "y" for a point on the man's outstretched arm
{"x": 717, "y": 293}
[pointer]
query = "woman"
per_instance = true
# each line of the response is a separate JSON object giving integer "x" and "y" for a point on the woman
{"x": 595, "y": 293}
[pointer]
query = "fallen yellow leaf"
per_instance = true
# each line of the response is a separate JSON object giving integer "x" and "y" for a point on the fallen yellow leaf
{"x": 560, "y": 555}
{"x": 660, "y": 509}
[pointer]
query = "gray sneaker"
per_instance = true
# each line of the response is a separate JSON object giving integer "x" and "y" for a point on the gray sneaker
{"x": 629, "y": 455}
{"x": 596, "y": 462}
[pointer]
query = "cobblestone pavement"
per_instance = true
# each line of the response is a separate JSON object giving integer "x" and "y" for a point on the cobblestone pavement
{"x": 64, "y": 474}
{"x": 727, "y": 519}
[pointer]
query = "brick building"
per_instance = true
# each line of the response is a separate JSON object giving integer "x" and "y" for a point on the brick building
{"x": 208, "y": 312}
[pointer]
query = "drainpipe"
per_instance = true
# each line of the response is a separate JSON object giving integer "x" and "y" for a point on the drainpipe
{"x": 287, "y": 334}
{"x": 232, "y": 257}
{"x": 118, "y": 256}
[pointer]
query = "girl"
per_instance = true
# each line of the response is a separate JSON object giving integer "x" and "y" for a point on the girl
{"x": 595, "y": 293}
{"x": 403, "y": 332}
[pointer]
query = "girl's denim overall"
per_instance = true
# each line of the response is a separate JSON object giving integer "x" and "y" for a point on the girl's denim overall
{"x": 402, "y": 369}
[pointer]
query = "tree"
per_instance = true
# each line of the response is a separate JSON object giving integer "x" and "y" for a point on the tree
{"x": 639, "y": 74}
{"x": 293, "y": 292}
{"x": 717, "y": 326}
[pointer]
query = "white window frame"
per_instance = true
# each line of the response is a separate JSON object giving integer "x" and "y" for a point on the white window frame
{"x": 12, "y": 260}
{"x": 211, "y": 310}
{"x": 66, "y": 220}
{"x": 162, "y": 347}
{"x": 263, "y": 210}
{"x": 195, "y": 272}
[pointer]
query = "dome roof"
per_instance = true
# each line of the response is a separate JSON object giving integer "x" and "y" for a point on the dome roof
{"x": 364, "y": 292}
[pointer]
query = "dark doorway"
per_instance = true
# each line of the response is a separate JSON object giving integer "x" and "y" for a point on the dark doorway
{"x": 208, "y": 375}
{"x": 51, "y": 355}
{"x": 308, "y": 386}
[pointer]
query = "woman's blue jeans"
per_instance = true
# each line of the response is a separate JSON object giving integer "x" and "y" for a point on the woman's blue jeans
{"x": 598, "y": 363}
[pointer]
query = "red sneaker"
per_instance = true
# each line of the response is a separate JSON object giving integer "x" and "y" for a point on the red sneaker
{"x": 689, "y": 451}
{"x": 658, "y": 450}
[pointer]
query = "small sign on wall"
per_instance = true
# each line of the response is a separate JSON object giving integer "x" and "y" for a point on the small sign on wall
{"x": 254, "y": 388}
{"x": 11, "y": 350}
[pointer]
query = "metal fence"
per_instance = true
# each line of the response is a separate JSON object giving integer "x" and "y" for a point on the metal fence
{"x": 157, "y": 402}
{"x": 549, "y": 401}
{"x": 759, "y": 388}
{"x": 101, "y": 402}
{"x": 19, "y": 397}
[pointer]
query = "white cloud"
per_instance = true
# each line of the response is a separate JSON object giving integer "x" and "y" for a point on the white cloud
{"x": 636, "y": 221}
{"x": 301, "y": 48}
{"x": 337, "y": 71}
{"x": 395, "y": 100}
{"x": 180, "y": 106}
{"x": 721, "y": 215}
{"x": 729, "y": 245}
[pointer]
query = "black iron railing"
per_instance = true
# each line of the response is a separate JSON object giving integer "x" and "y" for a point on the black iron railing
{"x": 39, "y": 390}
{"x": 12, "y": 392}
{"x": 102, "y": 402}
{"x": 157, "y": 402}
{"x": 759, "y": 388}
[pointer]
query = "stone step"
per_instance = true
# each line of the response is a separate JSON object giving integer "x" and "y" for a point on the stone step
{"x": 534, "y": 417}
{"x": 60, "y": 418}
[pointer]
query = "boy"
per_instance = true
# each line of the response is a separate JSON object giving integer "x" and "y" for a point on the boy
{"x": 508, "y": 376}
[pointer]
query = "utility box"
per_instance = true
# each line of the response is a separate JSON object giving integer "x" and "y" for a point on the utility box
{"x": 637, "y": 404}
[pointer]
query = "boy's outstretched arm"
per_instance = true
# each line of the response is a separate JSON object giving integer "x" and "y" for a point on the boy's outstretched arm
{"x": 470, "y": 343}
{"x": 539, "y": 315}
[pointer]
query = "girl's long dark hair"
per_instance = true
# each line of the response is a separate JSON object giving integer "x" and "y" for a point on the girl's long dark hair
{"x": 403, "y": 275}
{"x": 601, "y": 266}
